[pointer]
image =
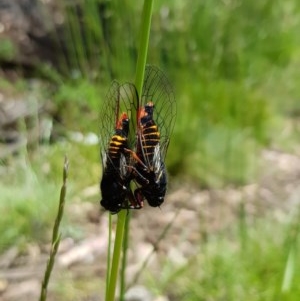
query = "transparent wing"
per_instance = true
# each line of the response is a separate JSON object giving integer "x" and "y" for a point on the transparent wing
{"x": 158, "y": 89}
{"x": 119, "y": 99}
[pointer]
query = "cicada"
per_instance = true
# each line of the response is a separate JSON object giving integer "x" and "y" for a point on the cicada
{"x": 155, "y": 122}
{"x": 114, "y": 139}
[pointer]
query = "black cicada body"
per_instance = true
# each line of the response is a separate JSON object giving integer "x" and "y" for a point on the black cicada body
{"x": 114, "y": 139}
{"x": 155, "y": 122}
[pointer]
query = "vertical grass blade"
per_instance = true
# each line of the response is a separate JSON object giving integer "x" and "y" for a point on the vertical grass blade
{"x": 108, "y": 262}
{"x": 124, "y": 259}
{"x": 143, "y": 47}
{"x": 110, "y": 296}
{"x": 55, "y": 234}
{"x": 289, "y": 271}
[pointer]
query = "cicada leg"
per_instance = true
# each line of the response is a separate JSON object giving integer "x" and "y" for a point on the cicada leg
{"x": 135, "y": 203}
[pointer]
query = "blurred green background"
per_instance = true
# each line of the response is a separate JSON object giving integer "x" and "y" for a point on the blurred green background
{"x": 234, "y": 66}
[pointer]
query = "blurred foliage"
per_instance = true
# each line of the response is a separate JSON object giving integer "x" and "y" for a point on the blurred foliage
{"x": 220, "y": 55}
{"x": 7, "y": 50}
{"x": 223, "y": 39}
{"x": 30, "y": 193}
{"x": 30, "y": 205}
{"x": 234, "y": 66}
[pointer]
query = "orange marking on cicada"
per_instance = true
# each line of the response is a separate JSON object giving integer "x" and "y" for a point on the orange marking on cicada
{"x": 143, "y": 113}
{"x": 140, "y": 114}
{"x": 120, "y": 121}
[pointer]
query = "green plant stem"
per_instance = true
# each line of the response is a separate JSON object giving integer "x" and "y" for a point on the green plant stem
{"x": 144, "y": 42}
{"x": 124, "y": 259}
{"x": 116, "y": 255}
{"x": 292, "y": 242}
{"x": 55, "y": 234}
{"x": 108, "y": 254}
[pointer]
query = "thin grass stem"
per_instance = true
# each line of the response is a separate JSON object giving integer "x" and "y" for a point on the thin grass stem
{"x": 108, "y": 263}
{"x": 144, "y": 42}
{"x": 56, "y": 235}
{"x": 116, "y": 255}
{"x": 124, "y": 259}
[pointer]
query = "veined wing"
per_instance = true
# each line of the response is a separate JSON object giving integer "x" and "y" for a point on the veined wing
{"x": 157, "y": 92}
{"x": 117, "y": 104}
